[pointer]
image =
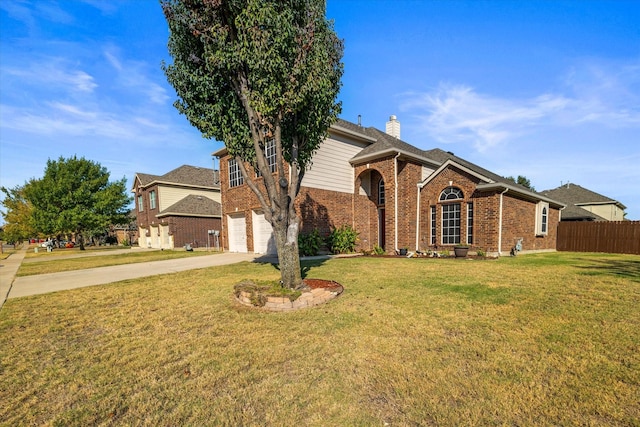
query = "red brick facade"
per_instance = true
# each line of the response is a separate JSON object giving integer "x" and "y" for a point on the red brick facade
{"x": 325, "y": 209}
{"x": 174, "y": 229}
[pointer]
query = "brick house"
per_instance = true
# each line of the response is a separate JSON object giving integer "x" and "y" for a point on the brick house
{"x": 395, "y": 196}
{"x": 586, "y": 205}
{"x": 177, "y": 208}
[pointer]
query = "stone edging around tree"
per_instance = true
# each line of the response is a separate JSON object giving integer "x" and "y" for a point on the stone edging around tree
{"x": 320, "y": 292}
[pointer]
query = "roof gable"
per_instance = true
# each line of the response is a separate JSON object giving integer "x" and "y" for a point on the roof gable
{"x": 193, "y": 205}
{"x": 185, "y": 175}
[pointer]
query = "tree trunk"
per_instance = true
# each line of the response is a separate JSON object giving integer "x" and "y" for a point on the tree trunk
{"x": 80, "y": 240}
{"x": 288, "y": 256}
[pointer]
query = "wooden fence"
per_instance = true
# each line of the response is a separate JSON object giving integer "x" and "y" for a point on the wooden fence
{"x": 621, "y": 237}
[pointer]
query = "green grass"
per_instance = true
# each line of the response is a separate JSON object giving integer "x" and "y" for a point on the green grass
{"x": 59, "y": 264}
{"x": 7, "y": 253}
{"x": 63, "y": 252}
{"x": 546, "y": 339}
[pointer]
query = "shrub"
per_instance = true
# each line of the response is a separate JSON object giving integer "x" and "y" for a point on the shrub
{"x": 309, "y": 243}
{"x": 481, "y": 252}
{"x": 343, "y": 240}
{"x": 378, "y": 250}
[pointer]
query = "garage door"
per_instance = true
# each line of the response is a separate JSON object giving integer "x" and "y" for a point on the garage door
{"x": 263, "y": 240}
{"x": 237, "y": 233}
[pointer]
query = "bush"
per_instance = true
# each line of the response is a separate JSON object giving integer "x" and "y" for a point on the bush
{"x": 309, "y": 243}
{"x": 343, "y": 240}
{"x": 377, "y": 250}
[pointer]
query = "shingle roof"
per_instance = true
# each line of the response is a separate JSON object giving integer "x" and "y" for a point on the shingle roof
{"x": 576, "y": 195}
{"x": 193, "y": 205}
{"x": 386, "y": 144}
{"x": 184, "y": 175}
{"x": 573, "y": 213}
{"x": 146, "y": 178}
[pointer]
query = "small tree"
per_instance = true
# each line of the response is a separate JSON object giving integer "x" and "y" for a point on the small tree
{"x": 257, "y": 72}
{"x": 18, "y": 215}
{"x": 521, "y": 180}
{"x": 75, "y": 196}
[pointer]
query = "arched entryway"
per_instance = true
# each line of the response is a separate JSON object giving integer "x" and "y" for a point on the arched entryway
{"x": 370, "y": 209}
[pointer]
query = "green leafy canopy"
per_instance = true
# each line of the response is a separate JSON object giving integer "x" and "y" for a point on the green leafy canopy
{"x": 248, "y": 69}
{"x": 252, "y": 72}
{"x": 75, "y": 195}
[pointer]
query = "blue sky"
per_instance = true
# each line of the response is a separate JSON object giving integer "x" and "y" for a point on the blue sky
{"x": 545, "y": 89}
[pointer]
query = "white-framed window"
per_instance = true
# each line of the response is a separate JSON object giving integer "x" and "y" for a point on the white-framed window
{"x": 433, "y": 225}
{"x": 451, "y": 193}
{"x": 451, "y": 224}
{"x": 381, "y": 194}
{"x": 469, "y": 223}
{"x": 140, "y": 203}
{"x": 235, "y": 176}
{"x": 270, "y": 154}
{"x": 152, "y": 199}
{"x": 542, "y": 219}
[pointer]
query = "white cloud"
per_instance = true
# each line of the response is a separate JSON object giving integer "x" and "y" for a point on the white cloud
{"x": 52, "y": 73}
{"x": 456, "y": 113}
{"x": 594, "y": 93}
{"x": 133, "y": 75}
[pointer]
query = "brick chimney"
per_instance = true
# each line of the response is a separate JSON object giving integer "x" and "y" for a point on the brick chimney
{"x": 393, "y": 127}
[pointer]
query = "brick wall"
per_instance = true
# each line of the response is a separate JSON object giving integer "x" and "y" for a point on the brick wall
{"x": 192, "y": 230}
{"x": 519, "y": 221}
{"x": 518, "y": 215}
{"x": 430, "y": 196}
{"x": 324, "y": 209}
{"x": 320, "y": 209}
{"x": 148, "y": 215}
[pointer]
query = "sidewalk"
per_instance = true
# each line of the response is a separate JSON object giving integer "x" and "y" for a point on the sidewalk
{"x": 8, "y": 269}
{"x": 53, "y": 282}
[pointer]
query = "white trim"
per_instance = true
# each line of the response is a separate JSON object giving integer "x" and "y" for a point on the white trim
{"x": 500, "y": 223}
{"x": 459, "y": 166}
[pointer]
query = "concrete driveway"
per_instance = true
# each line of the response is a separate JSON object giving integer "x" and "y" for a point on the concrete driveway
{"x": 15, "y": 287}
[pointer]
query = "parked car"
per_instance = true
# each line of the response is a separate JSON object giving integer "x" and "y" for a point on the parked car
{"x": 69, "y": 245}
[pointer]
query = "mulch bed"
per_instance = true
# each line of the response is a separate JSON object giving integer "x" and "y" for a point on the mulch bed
{"x": 320, "y": 283}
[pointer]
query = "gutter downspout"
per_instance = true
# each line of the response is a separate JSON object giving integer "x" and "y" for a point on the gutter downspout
{"x": 420, "y": 186}
{"x": 500, "y": 224}
{"x": 222, "y": 214}
{"x": 395, "y": 201}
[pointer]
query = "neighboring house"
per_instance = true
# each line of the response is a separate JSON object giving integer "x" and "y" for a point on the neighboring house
{"x": 177, "y": 208}
{"x": 395, "y": 196}
{"x": 125, "y": 233}
{"x": 586, "y": 205}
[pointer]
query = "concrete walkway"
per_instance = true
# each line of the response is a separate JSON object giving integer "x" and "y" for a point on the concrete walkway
{"x": 8, "y": 269}
{"x": 53, "y": 282}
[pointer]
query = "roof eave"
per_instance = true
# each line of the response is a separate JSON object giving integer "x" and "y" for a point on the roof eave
{"x": 608, "y": 202}
{"x": 530, "y": 195}
{"x": 391, "y": 151}
{"x": 178, "y": 184}
{"x": 348, "y": 132}
{"x": 168, "y": 213}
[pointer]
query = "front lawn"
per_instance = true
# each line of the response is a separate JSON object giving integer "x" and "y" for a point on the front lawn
{"x": 49, "y": 265}
{"x": 546, "y": 339}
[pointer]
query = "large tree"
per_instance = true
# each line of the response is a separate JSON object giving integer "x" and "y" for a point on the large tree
{"x": 257, "y": 72}
{"x": 17, "y": 215}
{"x": 76, "y": 196}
